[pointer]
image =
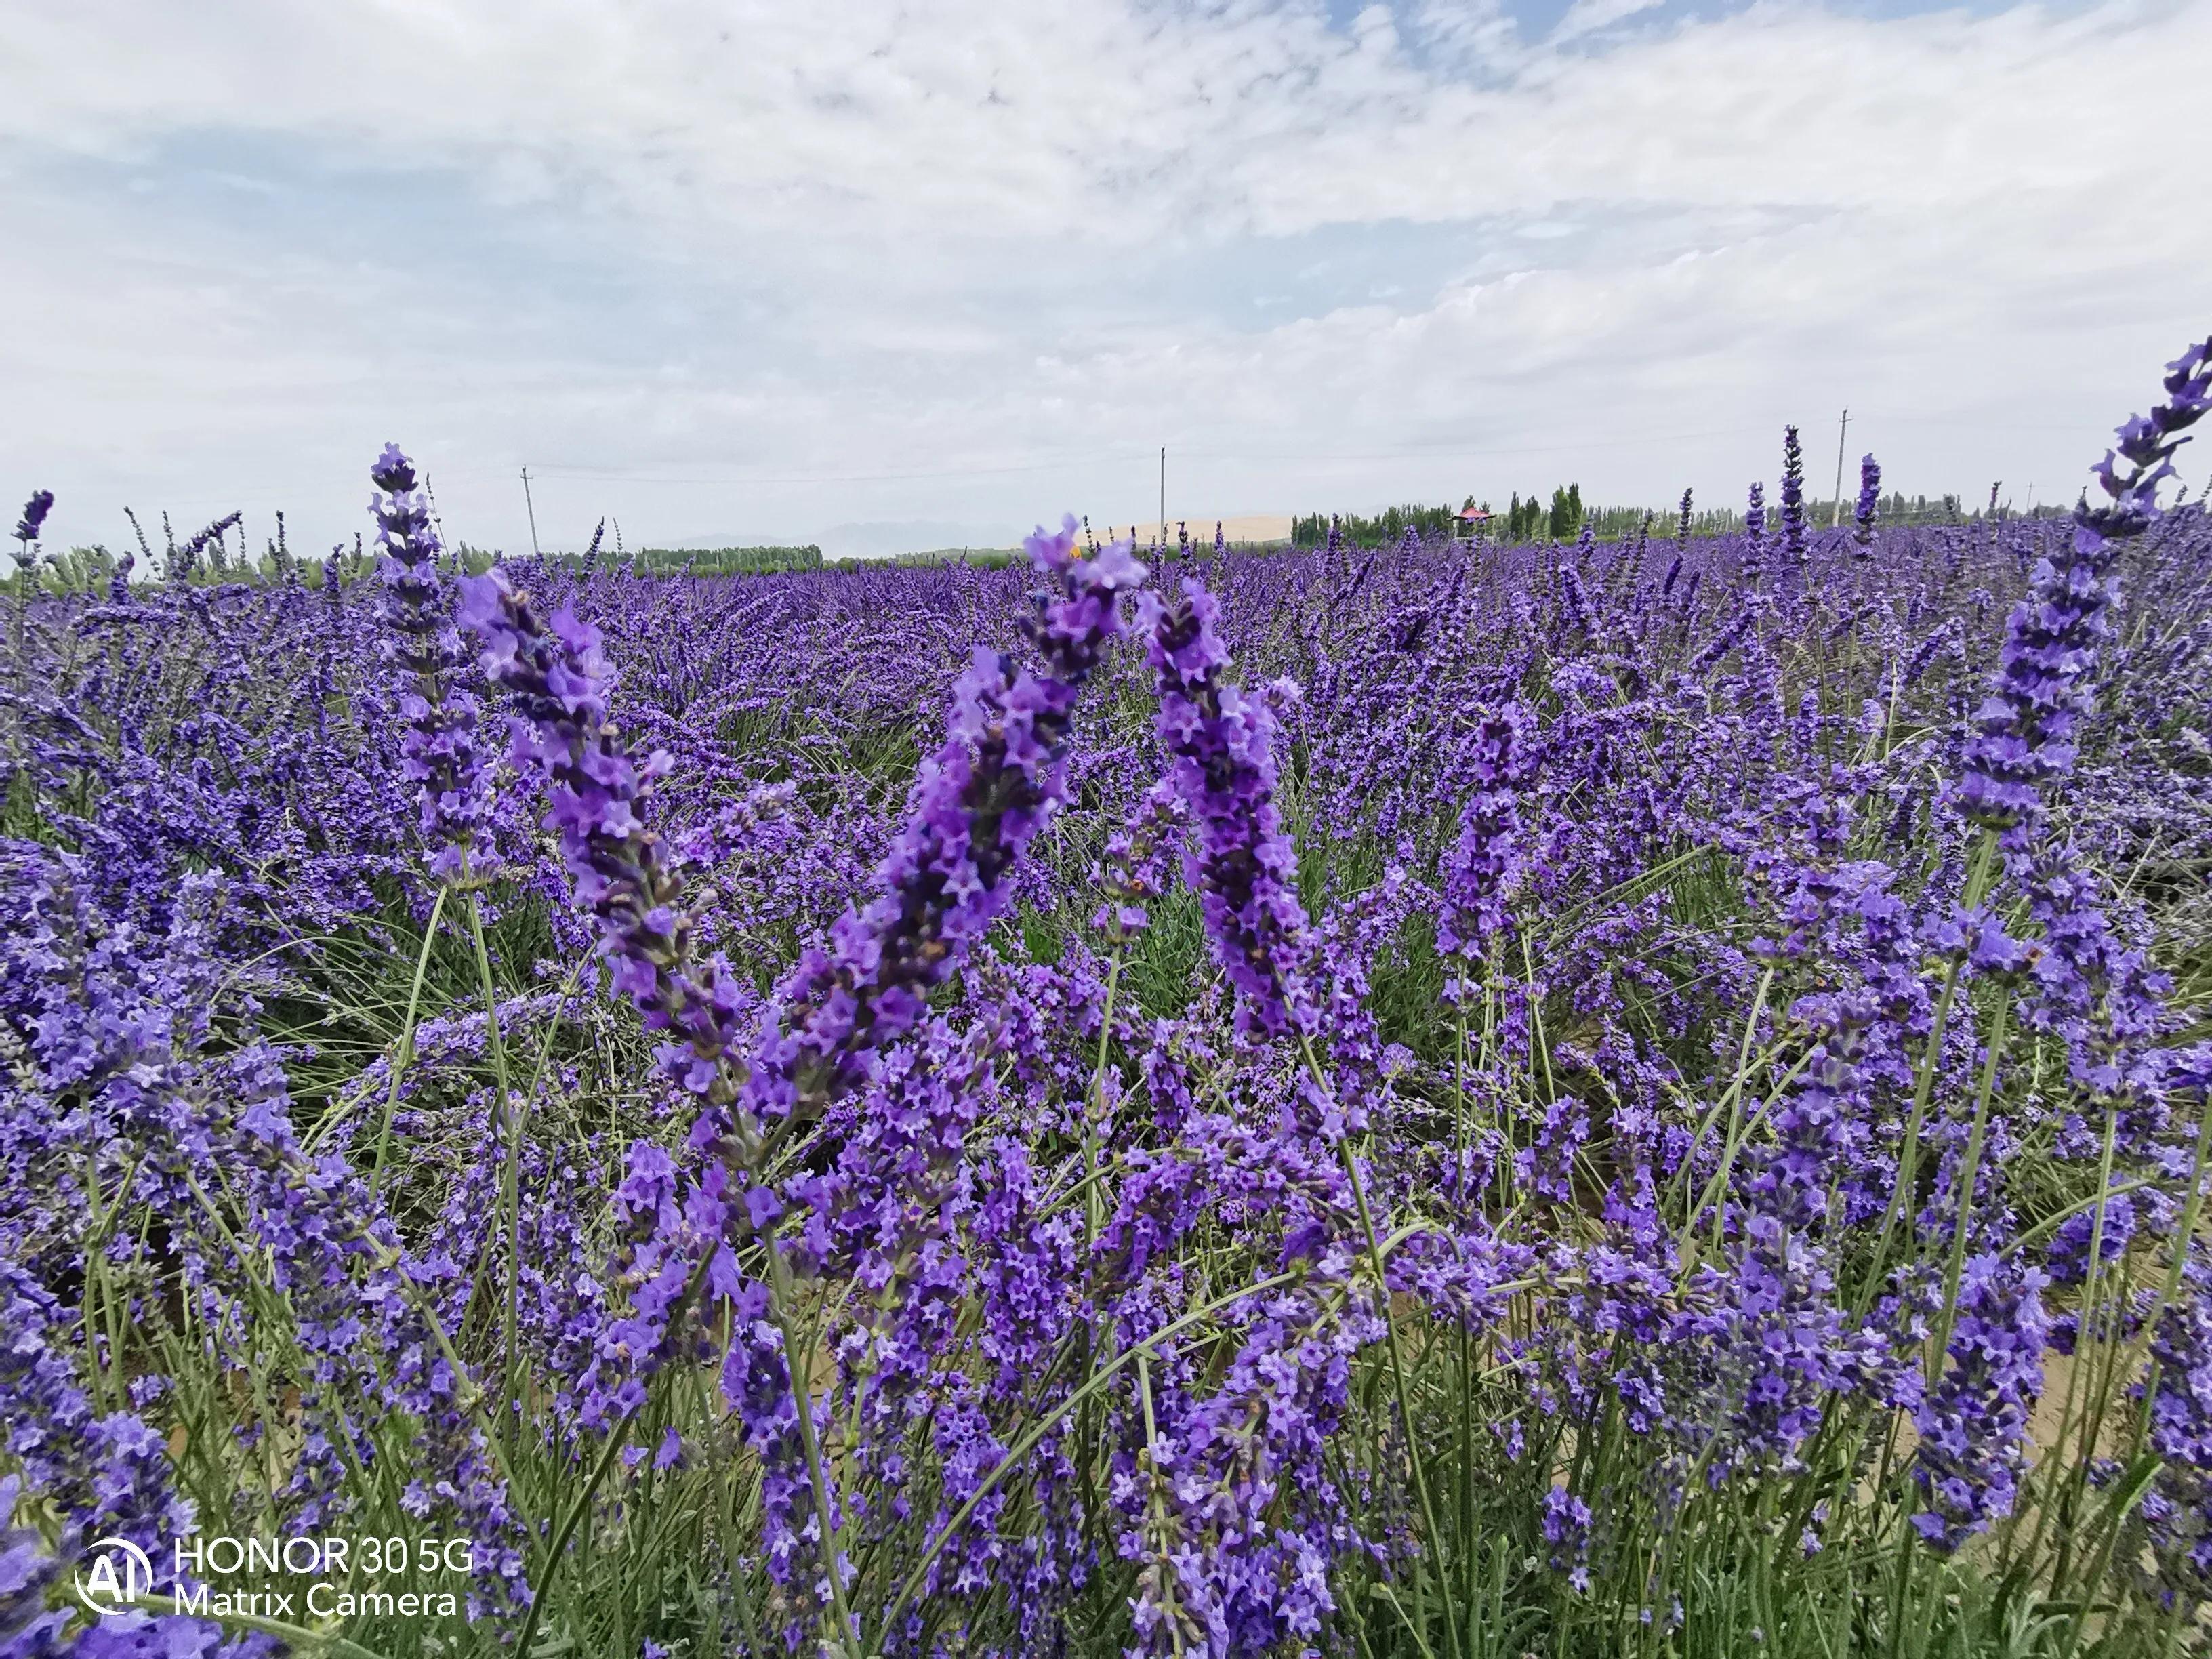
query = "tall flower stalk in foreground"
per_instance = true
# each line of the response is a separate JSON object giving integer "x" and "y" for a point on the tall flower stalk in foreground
{"x": 975, "y": 807}
{"x": 438, "y": 754}
{"x": 438, "y": 751}
{"x": 978, "y": 803}
{"x": 560, "y": 684}
{"x": 2024, "y": 730}
{"x": 1220, "y": 743}
{"x": 2026, "y": 741}
{"x": 563, "y": 736}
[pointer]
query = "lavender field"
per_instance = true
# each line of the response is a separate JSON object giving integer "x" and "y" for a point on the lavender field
{"x": 1628, "y": 1097}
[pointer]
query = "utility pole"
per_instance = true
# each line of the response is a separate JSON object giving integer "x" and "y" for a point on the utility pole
{"x": 1164, "y": 495}
{"x": 1836, "y": 517}
{"x": 531, "y": 510}
{"x": 437, "y": 524}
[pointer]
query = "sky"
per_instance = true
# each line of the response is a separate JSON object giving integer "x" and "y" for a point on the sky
{"x": 881, "y": 275}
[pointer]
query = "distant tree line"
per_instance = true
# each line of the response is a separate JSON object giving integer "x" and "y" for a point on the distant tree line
{"x": 1433, "y": 522}
{"x": 1522, "y": 520}
{"x": 731, "y": 560}
{"x": 1534, "y": 518}
{"x": 981, "y": 558}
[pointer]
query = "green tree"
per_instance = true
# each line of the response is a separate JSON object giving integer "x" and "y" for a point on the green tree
{"x": 1562, "y": 519}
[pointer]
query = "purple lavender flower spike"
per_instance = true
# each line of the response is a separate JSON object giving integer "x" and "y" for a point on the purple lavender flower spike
{"x": 33, "y": 521}
{"x": 976, "y": 806}
{"x": 560, "y": 681}
{"x": 1973, "y": 1424}
{"x": 438, "y": 750}
{"x": 185, "y": 557}
{"x": 1487, "y": 863}
{"x": 1221, "y": 744}
{"x": 2027, "y": 729}
{"x": 1567, "y": 1529}
{"x": 1870, "y": 500}
{"x": 1793, "y": 505}
{"x": 1754, "y": 570}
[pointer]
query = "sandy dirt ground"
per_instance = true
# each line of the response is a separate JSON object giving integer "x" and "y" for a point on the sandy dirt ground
{"x": 1236, "y": 527}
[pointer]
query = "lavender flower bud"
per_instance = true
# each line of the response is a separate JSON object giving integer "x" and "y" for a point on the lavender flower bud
{"x": 438, "y": 751}
{"x": 1793, "y": 503}
{"x": 2024, "y": 736}
{"x": 1754, "y": 572}
{"x": 1973, "y": 1424}
{"x": 184, "y": 560}
{"x": 1487, "y": 864}
{"x": 27, "y": 527}
{"x": 975, "y": 806}
{"x": 1862, "y": 513}
{"x": 1221, "y": 742}
{"x": 560, "y": 681}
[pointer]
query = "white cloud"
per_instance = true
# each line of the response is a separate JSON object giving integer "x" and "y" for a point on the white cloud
{"x": 973, "y": 266}
{"x": 1589, "y": 16}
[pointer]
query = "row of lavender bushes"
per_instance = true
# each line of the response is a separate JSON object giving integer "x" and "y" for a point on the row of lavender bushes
{"x": 1643, "y": 1098}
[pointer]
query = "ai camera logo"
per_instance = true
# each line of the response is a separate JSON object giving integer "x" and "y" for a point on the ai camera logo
{"x": 120, "y": 1574}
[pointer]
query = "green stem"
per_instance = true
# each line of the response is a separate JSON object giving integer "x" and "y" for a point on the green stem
{"x": 1094, "y": 1204}
{"x": 567, "y": 1528}
{"x": 802, "y": 1400}
{"x": 1397, "y": 1361}
{"x": 1908, "y": 1155}
{"x": 1727, "y": 1100}
{"x": 1157, "y": 1510}
{"x": 1459, "y": 1098}
{"x": 1969, "y": 1169}
{"x": 1148, "y": 1347}
{"x": 2069, "y": 1494}
{"x": 2192, "y": 1212}
{"x": 1094, "y": 1218}
{"x": 1713, "y": 1193}
{"x": 509, "y": 1117}
{"x": 405, "y": 1056}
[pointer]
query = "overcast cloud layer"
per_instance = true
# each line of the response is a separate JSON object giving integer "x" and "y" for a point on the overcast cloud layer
{"x": 745, "y": 270}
